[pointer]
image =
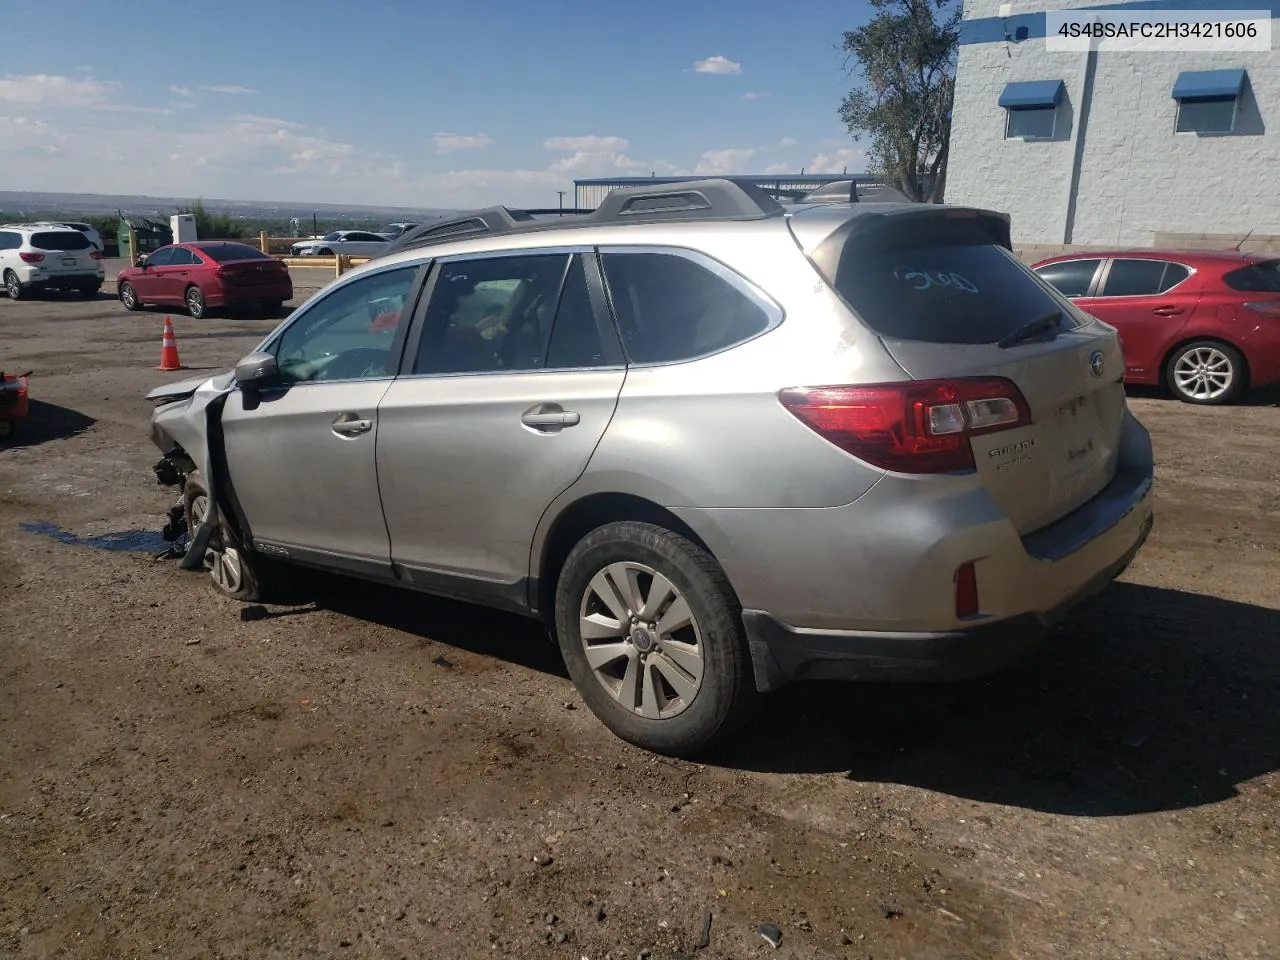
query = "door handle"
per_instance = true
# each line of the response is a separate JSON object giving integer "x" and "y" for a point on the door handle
{"x": 1167, "y": 311}
{"x": 550, "y": 417}
{"x": 351, "y": 425}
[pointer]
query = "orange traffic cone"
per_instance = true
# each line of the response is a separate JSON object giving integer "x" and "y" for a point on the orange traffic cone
{"x": 169, "y": 349}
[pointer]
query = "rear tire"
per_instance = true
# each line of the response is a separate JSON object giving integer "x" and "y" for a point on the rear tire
{"x": 194, "y": 300}
{"x": 1206, "y": 372}
{"x": 14, "y": 287}
{"x": 235, "y": 572}
{"x": 672, "y": 676}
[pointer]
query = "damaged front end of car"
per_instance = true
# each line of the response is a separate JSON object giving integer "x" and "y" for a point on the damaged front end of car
{"x": 184, "y": 427}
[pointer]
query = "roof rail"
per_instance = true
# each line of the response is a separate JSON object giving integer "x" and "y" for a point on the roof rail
{"x": 722, "y": 198}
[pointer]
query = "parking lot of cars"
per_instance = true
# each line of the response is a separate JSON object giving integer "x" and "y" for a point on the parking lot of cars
{"x": 368, "y": 773}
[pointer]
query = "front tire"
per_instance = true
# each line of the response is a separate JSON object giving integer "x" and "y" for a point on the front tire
{"x": 651, "y": 633}
{"x": 1206, "y": 372}
{"x": 194, "y": 300}
{"x": 234, "y": 571}
{"x": 129, "y": 296}
{"x": 14, "y": 287}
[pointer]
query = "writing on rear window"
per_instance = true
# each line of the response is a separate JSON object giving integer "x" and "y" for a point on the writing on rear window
{"x": 923, "y": 280}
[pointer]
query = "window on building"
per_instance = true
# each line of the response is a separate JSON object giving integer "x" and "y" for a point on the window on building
{"x": 1208, "y": 100}
{"x": 1072, "y": 277}
{"x": 1031, "y": 109}
{"x": 1143, "y": 278}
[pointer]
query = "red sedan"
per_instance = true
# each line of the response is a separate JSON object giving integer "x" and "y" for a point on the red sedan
{"x": 1204, "y": 324}
{"x": 205, "y": 275}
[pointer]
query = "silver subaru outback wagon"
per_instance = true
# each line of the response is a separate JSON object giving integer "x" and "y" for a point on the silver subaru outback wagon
{"x": 716, "y": 443}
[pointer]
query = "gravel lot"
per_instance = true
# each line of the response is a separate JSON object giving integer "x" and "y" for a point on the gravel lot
{"x": 373, "y": 775}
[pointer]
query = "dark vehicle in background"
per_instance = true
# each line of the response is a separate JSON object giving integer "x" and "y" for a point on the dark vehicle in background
{"x": 1204, "y": 324}
{"x": 206, "y": 275}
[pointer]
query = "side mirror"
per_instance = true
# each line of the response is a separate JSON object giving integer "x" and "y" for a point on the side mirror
{"x": 141, "y": 263}
{"x": 256, "y": 371}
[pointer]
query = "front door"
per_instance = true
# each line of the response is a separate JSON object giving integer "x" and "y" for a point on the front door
{"x": 301, "y": 457}
{"x": 173, "y": 277}
{"x": 515, "y": 374}
{"x": 1148, "y": 302}
{"x": 149, "y": 282}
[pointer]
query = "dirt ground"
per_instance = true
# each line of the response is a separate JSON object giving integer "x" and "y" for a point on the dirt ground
{"x": 373, "y": 774}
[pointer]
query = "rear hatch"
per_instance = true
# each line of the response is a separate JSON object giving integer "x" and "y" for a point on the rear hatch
{"x": 65, "y": 251}
{"x": 947, "y": 297}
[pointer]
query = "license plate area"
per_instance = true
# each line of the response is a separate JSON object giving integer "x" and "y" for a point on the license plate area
{"x": 69, "y": 261}
{"x": 1084, "y": 442}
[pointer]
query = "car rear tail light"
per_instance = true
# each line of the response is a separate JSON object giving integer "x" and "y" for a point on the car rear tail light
{"x": 95, "y": 255}
{"x": 31, "y": 257}
{"x": 966, "y": 592}
{"x": 918, "y": 426}
{"x": 1268, "y": 308}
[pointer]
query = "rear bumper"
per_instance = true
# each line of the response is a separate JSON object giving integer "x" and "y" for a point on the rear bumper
{"x": 781, "y": 653}
{"x": 234, "y": 296}
{"x": 64, "y": 281}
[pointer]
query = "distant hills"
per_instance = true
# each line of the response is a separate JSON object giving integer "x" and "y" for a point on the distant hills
{"x": 27, "y": 203}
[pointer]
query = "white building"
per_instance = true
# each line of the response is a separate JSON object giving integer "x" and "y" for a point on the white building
{"x": 1114, "y": 146}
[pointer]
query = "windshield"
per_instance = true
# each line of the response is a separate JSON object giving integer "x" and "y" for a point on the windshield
{"x": 940, "y": 283}
{"x": 228, "y": 252}
{"x": 1261, "y": 277}
{"x": 60, "y": 240}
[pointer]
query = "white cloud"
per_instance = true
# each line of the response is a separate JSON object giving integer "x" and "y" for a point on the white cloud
{"x": 181, "y": 91}
{"x": 449, "y": 142}
{"x": 754, "y": 96}
{"x": 717, "y": 64}
{"x": 720, "y": 162}
{"x": 845, "y": 159}
{"x": 586, "y": 143}
{"x": 50, "y": 90}
{"x": 786, "y": 142}
{"x": 231, "y": 88}
{"x": 253, "y": 118}
{"x": 780, "y": 168}
{"x": 26, "y": 136}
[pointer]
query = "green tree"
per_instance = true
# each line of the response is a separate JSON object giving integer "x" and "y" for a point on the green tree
{"x": 905, "y": 59}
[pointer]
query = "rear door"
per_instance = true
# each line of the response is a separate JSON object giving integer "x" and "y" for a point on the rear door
{"x": 1148, "y": 301}
{"x": 512, "y": 377}
{"x": 943, "y": 290}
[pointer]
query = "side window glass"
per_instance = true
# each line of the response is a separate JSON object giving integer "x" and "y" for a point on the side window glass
{"x": 1134, "y": 278}
{"x": 181, "y": 257}
{"x": 491, "y": 315}
{"x": 670, "y": 308}
{"x": 161, "y": 258}
{"x": 349, "y": 334}
{"x": 7, "y": 241}
{"x": 576, "y": 337}
{"x": 1174, "y": 274}
{"x": 1072, "y": 277}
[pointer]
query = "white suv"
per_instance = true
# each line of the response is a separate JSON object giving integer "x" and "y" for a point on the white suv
{"x": 38, "y": 257}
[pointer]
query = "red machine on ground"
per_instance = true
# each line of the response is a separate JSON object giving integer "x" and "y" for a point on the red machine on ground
{"x": 13, "y": 401}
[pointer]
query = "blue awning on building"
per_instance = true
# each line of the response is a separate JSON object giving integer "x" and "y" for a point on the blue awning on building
{"x": 1193, "y": 84}
{"x": 1034, "y": 93}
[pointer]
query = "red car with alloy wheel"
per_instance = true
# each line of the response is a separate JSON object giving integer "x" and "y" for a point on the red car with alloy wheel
{"x": 1205, "y": 324}
{"x": 206, "y": 275}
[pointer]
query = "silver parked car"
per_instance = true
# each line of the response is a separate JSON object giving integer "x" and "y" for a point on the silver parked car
{"x": 352, "y": 243}
{"x": 716, "y": 443}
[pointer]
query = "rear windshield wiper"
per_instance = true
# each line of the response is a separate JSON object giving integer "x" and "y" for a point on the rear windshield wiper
{"x": 1046, "y": 326}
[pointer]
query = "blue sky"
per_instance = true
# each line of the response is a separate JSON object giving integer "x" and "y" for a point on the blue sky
{"x": 415, "y": 102}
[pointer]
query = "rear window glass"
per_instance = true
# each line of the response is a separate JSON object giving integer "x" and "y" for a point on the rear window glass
{"x": 226, "y": 252}
{"x": 60, "y": 240}
{"x": 1256, "y": 278}
{"x": 941, "y": 283}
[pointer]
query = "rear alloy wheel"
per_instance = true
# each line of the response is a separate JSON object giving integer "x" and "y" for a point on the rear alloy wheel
{"x": 1206, "y": 372}
{"x": 13, "y": 286}
{"x": 652, "y": 636}
{"x": 129, "y": 296}
{"x": 195, "y": 302}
